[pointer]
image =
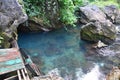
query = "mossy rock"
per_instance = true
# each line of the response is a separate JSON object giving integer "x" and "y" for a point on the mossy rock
{"x": 4, "y": 41}
{"x": 91, "y": 32}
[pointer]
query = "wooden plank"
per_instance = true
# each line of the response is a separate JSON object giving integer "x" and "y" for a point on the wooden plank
{"x": 8, "y": 57}
{"x": 5, "y": 51}
{"x": 10, "y": 62}
{"x": 11, "y": 78}
{"x": 11, "y": 68}
{"x": 19, "y": 75}
{"x": 8, "y": 49}
{"x": 9, "y": 52}
{"x": 24, "y": 76}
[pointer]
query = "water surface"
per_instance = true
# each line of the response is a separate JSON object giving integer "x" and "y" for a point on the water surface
{"x": 61, "y": 49}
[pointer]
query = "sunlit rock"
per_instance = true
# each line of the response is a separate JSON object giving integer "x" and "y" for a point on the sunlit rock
{"x": 90, "y": 14}
{"x": 117, "y": 28}
{"x": 113, "y": 13}
{"x": 114, "y": 74}
{"x": 97, "y": 26}
{"x": 52, "y": 75}
{"x": 104, "y": 31}
{"x": 100, "y": 45}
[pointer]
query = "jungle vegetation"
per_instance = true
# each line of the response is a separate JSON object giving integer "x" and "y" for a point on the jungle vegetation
{"x": 49, "y": 11}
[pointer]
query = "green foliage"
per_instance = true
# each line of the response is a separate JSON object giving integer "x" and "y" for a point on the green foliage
{"x": 33, "y": 7}
{"x": 102, "y": 3}
{"x": 78, "y": 3}
{"x": 66, "y": 10}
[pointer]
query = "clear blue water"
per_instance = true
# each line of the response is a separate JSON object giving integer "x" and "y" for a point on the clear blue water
{"x": 57, "y": 49}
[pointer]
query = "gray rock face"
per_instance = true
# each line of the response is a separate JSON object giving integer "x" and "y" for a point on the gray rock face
{"x": 97, "y": 26}
{"x": 11, "y": 15}
{"x": 52, "y": 75}
{"x": 91, "y": 14}
{"x": 114, "y": 74}
{"x": 113, "y": 13}
{"x": 104, "y": 31}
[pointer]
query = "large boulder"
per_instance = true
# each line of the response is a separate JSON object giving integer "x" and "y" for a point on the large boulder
{"x": 11, "y": 15}
{"x": 46, "y": 19}
{"x": 97, "y": 26}
{"x": 104, "y": 31}
{"x": 112, "y": 13}
{"x": 90, "y": 14}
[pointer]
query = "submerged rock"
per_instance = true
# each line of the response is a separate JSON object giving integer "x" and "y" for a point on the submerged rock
{"x": 11, "y": 15}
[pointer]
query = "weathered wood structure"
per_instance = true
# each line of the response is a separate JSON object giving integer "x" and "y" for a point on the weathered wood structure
{"x": 15, "y": 65}
{"x": 10, "y": 60}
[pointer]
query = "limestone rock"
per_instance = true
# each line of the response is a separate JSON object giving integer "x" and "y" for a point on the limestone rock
{"x": 35, "y": 24}
{"x": 48, "y": 20}
{"x": 52, "y": 75}
{"x": 114, "y": 74}
{"x": 113, "y": 13}
{"x": 100, "y": 44}
{"x": 11, "y": 15}
{"x": 90, "y": 14}
{"x": 104, "y": 31}
{"x": 97, "y": 26}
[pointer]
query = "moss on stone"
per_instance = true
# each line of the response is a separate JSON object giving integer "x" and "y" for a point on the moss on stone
{"x": 91, "y": 34}
{"x": 5, "y": 41}
{"x": 22, "y": 4}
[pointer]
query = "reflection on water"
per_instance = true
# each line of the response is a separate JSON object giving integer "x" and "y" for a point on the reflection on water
{"x": 59, "y": 49}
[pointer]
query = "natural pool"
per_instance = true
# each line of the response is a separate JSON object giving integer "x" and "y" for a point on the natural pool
{"x": 63, "y": 50}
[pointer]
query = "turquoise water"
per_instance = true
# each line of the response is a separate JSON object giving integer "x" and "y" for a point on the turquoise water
{"x": 58, "y": 49}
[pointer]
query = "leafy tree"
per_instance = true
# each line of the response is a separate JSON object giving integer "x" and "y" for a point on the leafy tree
{"x": 53, "y": 10}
